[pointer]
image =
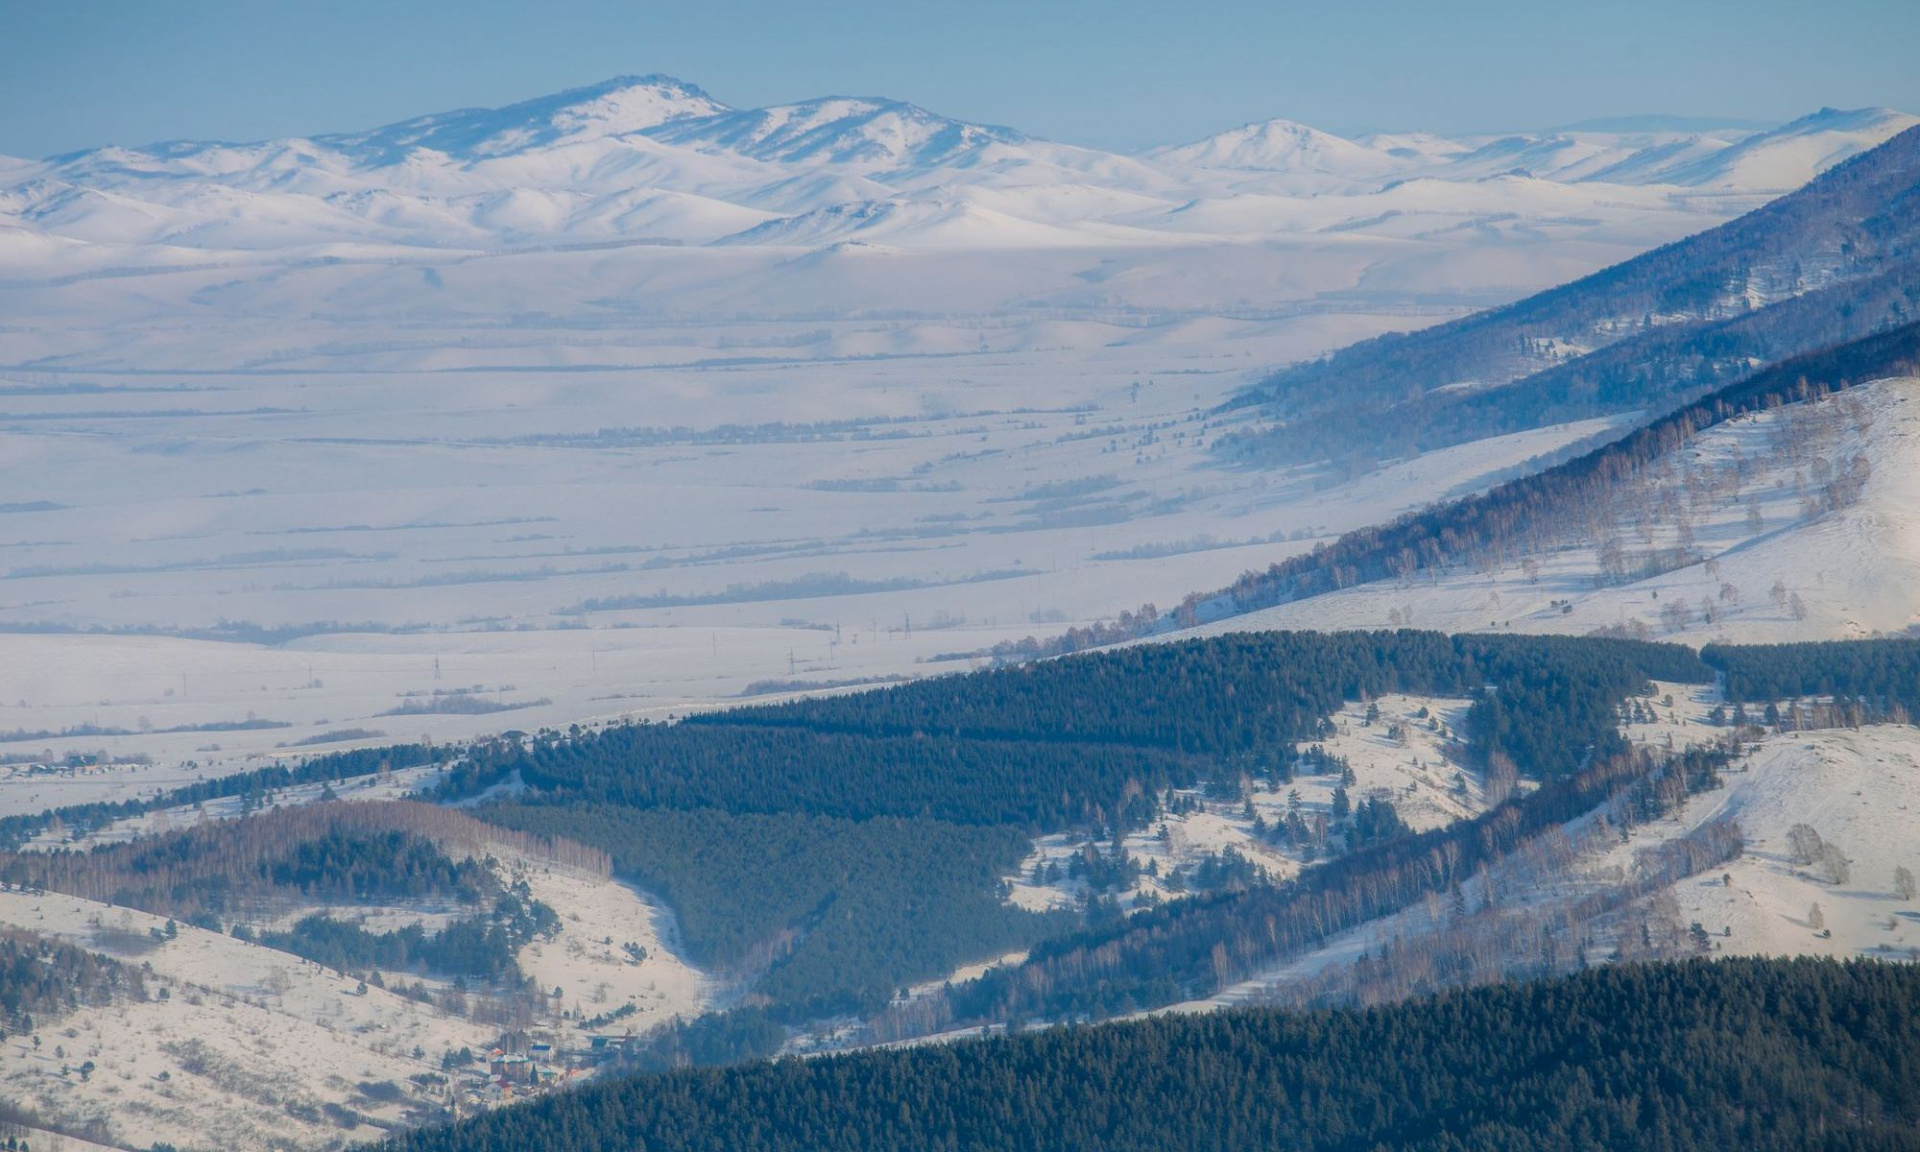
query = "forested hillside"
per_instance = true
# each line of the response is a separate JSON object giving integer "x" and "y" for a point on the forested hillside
{"x": 1190, "y": 949}
{"x": 349, "y": 852}
{"x": 42, "y": 980}
{"x": 231, "y": 875}
{"x": 1880, "y": 678}
{"x": 837, "y": 913}
{"x": 1734, "y": 1054}
{"x": 1831, "y": 262}
{"x": 831, "y": 851}
{"x": 824, "y": 854}
{"x": 1089, "y": 740}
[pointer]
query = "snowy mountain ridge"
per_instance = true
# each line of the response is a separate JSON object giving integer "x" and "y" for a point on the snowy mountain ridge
{"x": 613, "y": 107}
{"x": 655, "y": 159}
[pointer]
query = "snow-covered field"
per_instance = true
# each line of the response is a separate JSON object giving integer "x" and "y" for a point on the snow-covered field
{"x": 623, "y": 401}
{"x": 1675, "y": 717}
{"x": 427, "y": 582}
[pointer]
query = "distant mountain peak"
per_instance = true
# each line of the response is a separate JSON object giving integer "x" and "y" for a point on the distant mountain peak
{"x": 863, "y": 131}
{"x": 652, "y": 157}
{"x": 1281, "y": 145}
{"x": 613, "y": 107}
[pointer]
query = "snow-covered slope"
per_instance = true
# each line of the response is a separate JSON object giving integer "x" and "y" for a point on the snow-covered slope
{"x": 1782, "y": 157}
{"x": 237, "y": 1045}
{"x": 1860, "y": 791}
{"x": 868, "y": 133}
{"x": 1794, "y": 524}
{"x": 612, "y": 108}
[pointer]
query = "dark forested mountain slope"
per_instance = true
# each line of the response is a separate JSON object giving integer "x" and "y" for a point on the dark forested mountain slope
{"x": 826, "y": 915}
{"x": 1837, "y": 260}
{"x": 1879, "y": 675}
{"x": 1090, "y": 740}
{"x": 833, "y": 850}
{"x": 1735, "y": 1054}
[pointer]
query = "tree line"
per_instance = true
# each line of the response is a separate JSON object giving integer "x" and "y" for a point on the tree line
{"x": 1760, "y": 1054}
{"x": 257, "y": 783}
{"x": 349, "y": 852}
{"x": 1096, "y": 739}
{"x": 42, "y": 980}
{"x": 1878, "y": 677}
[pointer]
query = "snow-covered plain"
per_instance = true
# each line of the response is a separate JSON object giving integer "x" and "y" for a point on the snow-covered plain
{"x": 463, "y": 578}
{"x": 622, "y": 401}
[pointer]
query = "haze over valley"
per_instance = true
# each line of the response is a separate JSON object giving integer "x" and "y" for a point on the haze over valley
{"x": 621, "y": 400}
{"x": 522, "y": 623}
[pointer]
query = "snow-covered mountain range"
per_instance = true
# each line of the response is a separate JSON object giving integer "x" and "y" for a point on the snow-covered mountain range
{"x": 655, "y": 159}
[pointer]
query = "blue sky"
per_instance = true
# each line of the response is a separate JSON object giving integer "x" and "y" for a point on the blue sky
{"x": 1119, "y": 74}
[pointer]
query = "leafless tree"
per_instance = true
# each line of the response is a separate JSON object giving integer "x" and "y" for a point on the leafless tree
{"x": 1804, "y": 844}
{"x": 1833, "y": 865}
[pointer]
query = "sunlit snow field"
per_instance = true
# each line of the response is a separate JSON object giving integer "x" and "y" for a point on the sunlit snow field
{"x": 316, "y": 545}
{"x": 621, "y": 402}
